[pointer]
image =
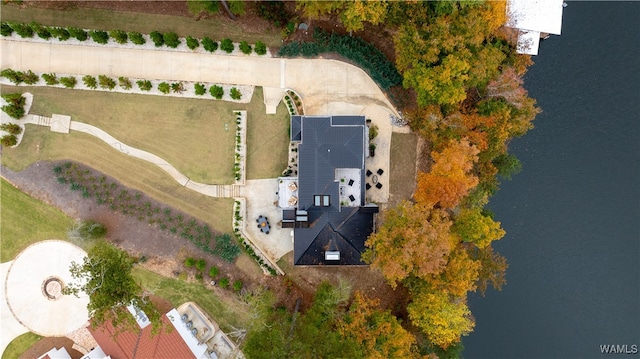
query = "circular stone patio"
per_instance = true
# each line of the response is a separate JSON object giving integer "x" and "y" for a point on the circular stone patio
{"x": 34, "y": 286}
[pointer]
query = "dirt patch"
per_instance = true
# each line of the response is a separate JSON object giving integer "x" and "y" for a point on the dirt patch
{"x": 45, "y": 344}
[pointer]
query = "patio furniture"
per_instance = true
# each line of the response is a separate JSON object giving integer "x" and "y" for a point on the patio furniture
{"x": 368, "y": 186}
{"x": 263, "y": 224}
{"x": 374, "y": 179}
{"x": 293, "y": 186}
{"x": 380, "y": 171}
{"x": 369, "y": 173}
{"x": 351, "y": 182}
{"x": 378, "y": 185}
{"x": 293, "y": 200}
{"x": 352, "y": 198}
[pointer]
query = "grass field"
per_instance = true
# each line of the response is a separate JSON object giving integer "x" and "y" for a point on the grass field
{"x": 229, "y": 313}
{"x": 26, "y": 220}
{"x": 403, "y": 166}
{"x": 216, "y": 28}
{"x": 20, "y": 345}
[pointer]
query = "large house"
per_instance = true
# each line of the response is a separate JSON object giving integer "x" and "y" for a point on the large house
{"x": 326, "y": 203}
{"x": 534, "y": 19}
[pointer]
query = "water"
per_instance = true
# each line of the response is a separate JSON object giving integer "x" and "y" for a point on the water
{"x": 572, "y": 215}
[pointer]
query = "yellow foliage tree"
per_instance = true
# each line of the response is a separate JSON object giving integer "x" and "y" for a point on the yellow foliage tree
{"x": 441, "y": 317}
{"x": 460, "y": 274}
{"x": 358, "y": 11}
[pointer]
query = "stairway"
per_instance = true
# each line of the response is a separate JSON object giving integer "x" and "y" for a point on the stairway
{"x": 227, "y": 191}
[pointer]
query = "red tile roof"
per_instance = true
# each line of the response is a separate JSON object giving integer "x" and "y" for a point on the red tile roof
{"x": 168, "y": 344}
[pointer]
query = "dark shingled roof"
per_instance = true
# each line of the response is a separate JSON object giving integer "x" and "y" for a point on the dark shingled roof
{"x": 328, "y": 143}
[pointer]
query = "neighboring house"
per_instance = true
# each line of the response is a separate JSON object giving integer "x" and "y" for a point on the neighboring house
{"x": 329, "y": 215}
{"x": 186, "y": 333}
{"x": 534, "y": 19}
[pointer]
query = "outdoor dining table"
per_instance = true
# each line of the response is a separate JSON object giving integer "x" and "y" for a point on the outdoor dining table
{"x": 263, "y": 224}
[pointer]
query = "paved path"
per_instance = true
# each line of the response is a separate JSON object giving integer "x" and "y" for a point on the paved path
{"x": 25, "y": 306}
{"x": 318, "y": 81}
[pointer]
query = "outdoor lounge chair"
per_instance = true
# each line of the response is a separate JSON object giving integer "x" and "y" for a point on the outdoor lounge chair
{"x": 368, "y": 186}
{"x": 380, "y": 171}
{"x": 369, "y": 173}
{"x": 351, "y": 182}
{"x": 378, "y": 185}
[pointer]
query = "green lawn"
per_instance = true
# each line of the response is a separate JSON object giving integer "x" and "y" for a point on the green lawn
{"x": 26, "y": 220}
{"x": 227, "y": 313}
{"x": 217, "y": 28}
{"x": 20, "y": 345}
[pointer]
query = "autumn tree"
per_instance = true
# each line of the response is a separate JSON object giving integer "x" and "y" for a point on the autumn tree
{"x": 379, "y": 332}
{"x": 475, "y": 227}
{"x": 450, "y": 177}
{"x": 414, "y": 240}
{"x": 353, "y": 14}
{"x": 460, "y": 275}
{"x": 441, "y": 317}
{"x": 492, "y": 269}
{"x": 105, "y": 276}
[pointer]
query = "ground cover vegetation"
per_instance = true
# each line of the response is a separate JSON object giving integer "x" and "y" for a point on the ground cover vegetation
{"x": 20, "y": 345}
{"x": 462, "y": 65}
{"x": 118, "y": 198}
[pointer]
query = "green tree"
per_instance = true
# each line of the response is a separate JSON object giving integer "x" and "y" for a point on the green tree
{"x": 9, "y": 140}
{"x": 216, "y": 91}
{"x": 79, "y": 34}
{"x": 227, "y": 46}
{"x": 164, "y": 87}
{"x": 200, "y": 89}
{"x": 105, "y": 276}
{"x": 12, "y": 128}
{"x": 144, "y": 85}
{"x": 192, "y": 43}
{"x": 200, "y": 264}
{"x": 235, "y": 93}
{"x": 209, "y": 44}
{"x": 90, "y": 81}
{"x": 50, "y": 79}
{"x": 68, "y": 81}
{"x": 106, "y": 82}
{"x": 171, "y": 39}
{"x": 157, "y": 38}
{"x": 137, "y": 38}
{"x": 119, "y": 36}
{"x": 245, "y": 47}
{"x": 99, "y": 36}
{"x": 475, "y": 227}
{"x": 125, "y": 83}
{"x": 358, "y": 11}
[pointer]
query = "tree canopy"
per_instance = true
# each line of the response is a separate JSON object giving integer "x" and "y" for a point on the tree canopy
{"x": 105, "y": 276}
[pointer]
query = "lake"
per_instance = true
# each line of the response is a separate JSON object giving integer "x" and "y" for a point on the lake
{"x": 572, "y": 215}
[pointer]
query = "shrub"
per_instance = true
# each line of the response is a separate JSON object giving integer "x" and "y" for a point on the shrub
{"x": 124, "y": 82}
{"x": 216, "y": 91}
{"x": 5, "y": 29}
{"x": 23, "y": 30}
{"x": 50, "y": 79}
{"x": 213, "y": 272}
{"x": 99, "y": 36}
{"x": 209, "y": 44}
{"x": 88, "y": 230}
{"x": 224, "y": 282}
{"x": 157, "y": 38}
{"x": 106, "y": 82}
{"x": 30, "y": 77}
{"x": 144, "y": 85}
{"x": 9, "y": 140}
{"x": 200, "y": 264}
{"x": 189, "y": 262}
{"x": 11, "y": 75}
{"x": 77, "y": 33}
{"x": 12, "y": 128}
{"x": 90, "y": 81}
{"x": 68, "y": 82}
{"x": 199, "y": 276}
{"x": 373, "y": 132}
{"x": 200, "y": 89}
{"x": 177, "y": 87}
{"x": 171, "y": 39}
{"x": 137, "y": 38}
{"x": 41, "y": 31}
{"x": 164, "y": 87}
{"x": 226, "y": 248}
{"x": 227, "y": 46}
{"x": 119, "y": 35}
{"x": 245, "y": 48}
{"x": 60, "y": 33}
{"x": 15, "y": 106}
{"x": 260, "y": 48}
{"x": 235, "y": 93}
{"x": 237, "y": 285}
{"x": 192, "y": 42}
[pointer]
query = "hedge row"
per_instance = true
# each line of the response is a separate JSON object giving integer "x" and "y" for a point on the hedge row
{"x": 169, "y": 39}
{"x": 108, "y": 83}
{"x": 15, "y": 105}
{"x": 354, "y": 48}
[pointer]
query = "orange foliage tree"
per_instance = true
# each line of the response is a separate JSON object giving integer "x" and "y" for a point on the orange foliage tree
{"x": 450, "y": 178}
{"x": 378, "y": 332}
{"x": 413, "y": 240}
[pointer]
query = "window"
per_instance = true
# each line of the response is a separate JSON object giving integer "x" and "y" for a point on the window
{"x": 321, "y": 200}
